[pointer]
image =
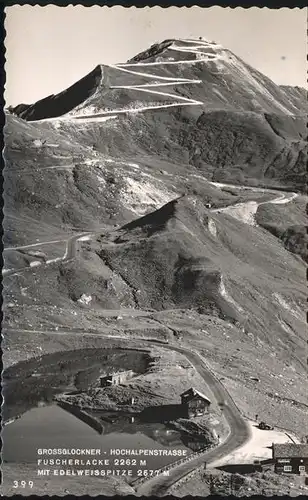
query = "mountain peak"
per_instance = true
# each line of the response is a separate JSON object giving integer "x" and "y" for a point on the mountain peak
{"x": 197, "y": 73}
{"x": 177, "y": 46}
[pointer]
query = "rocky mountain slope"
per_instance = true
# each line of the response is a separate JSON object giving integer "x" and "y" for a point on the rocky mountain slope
{"x": 224, "y": 117}
{"x": 172, "y": 182}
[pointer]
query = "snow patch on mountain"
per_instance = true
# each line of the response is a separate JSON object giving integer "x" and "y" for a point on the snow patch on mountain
{"x": 292, "y": 308}
{"x": 224, "y": 293}
{"x": 140, "y": 196}
{"x": 218, "y": 93}
{"x": 87, "y": 237}
{"x": 85, "y": 299}
{"x": 284, "y": 325}
{"x": 117, "y": 161}
{"x": 212, "y": 227}
{"x": 244, "y": 212}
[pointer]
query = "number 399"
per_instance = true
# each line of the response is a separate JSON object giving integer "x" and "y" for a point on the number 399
{"x": 23, "y": 484}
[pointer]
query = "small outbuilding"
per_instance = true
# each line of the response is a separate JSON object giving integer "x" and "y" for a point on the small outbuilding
{"x": 290, "y": 458}
{"x": 196, "y": 402}
{"x": 116, "y": 378}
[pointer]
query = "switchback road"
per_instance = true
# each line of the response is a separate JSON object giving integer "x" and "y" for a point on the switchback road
{"x": 244, "y": 211}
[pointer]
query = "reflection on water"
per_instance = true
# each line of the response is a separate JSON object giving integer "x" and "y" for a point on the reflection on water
{"x": 60, "y": 372}
{"x": 52, "y": 427}
{"x": 43, "y": 424}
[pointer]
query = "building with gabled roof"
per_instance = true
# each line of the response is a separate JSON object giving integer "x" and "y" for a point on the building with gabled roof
{"x": 196, "y": 402}
{"x": 290, "y": 458}
{"x": 116, "y": 378}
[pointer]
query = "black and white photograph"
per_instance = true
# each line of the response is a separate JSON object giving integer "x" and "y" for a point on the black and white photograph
{"x": 154, "y": 329}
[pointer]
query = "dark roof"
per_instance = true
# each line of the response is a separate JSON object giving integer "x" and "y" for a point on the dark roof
{"x": 194, "y": 392}
{"x": 287, "y": 450}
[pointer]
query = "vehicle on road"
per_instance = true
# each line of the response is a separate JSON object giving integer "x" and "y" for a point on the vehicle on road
{"x": 265, "y": 427}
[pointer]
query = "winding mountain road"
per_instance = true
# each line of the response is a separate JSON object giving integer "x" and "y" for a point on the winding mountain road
{"x": 165, "y": 81}
{"x": 70, "y": 252}
{"x": 239, "y": 429}
{"x": 159, "y": 81}
{"x": 244, "y": 211}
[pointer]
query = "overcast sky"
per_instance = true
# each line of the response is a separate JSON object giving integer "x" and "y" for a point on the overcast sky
{"x": 49, "y": 48}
